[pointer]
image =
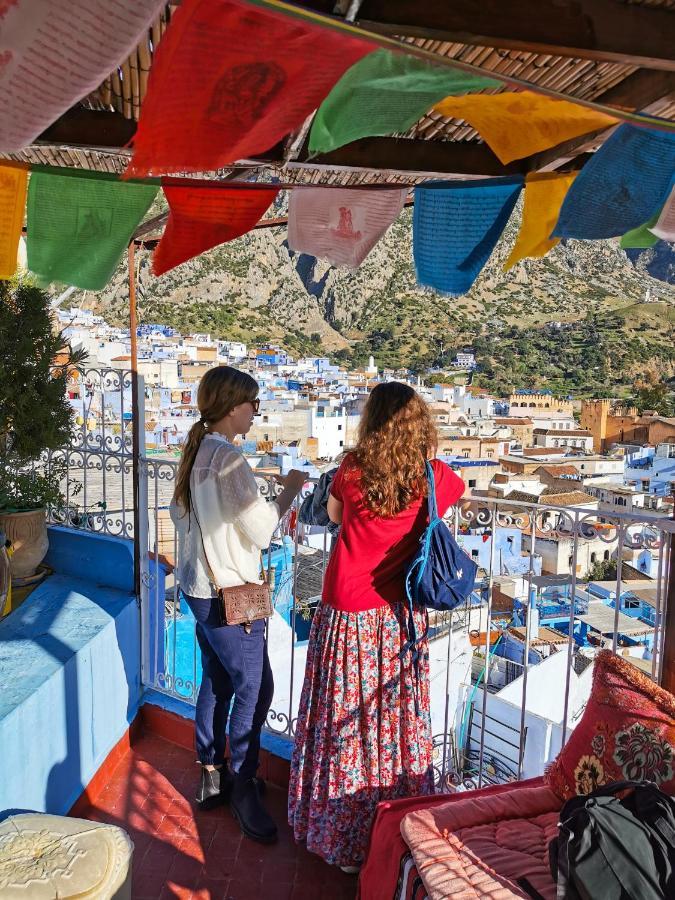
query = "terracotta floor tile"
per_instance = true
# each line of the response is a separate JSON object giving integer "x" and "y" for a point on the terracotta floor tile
{"x": 243, "y": 890}
{"x": 277, "y": 890}
{"x": 184, "y": 852}
{"x": 174, "y": 891}
{"x": 211, "y": 889}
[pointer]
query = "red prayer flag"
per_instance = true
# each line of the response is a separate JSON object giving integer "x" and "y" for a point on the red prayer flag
{"x": 229, "y": 81}
{"x": 203, "y": 217}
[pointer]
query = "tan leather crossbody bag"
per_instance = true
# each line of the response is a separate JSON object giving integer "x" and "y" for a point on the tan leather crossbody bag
{"x": 241, "y": 604}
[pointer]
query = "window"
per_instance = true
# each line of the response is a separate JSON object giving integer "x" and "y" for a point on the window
{"x": 631, "y": 603}
{"x": 342, "y": 443}
{"x": 606, "y": 556}
{"x": 474, "y": 554}
{"x": 472, "y": 482}
{"x": 339, "y": 427}
{"x": 488, "y": 453}
{"x": 465, "y": 453}
{"x": 594, "y": 557}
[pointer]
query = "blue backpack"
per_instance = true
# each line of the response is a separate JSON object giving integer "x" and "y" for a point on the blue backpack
{"x": 440, "y": 576}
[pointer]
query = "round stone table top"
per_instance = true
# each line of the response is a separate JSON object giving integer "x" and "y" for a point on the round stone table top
{"x": 44, "y": 856}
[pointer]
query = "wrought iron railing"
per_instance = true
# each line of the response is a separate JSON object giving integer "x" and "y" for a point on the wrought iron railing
{"x": 505, "y": 689}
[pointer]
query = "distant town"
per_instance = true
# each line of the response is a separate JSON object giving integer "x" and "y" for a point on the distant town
{"x": 527, "y": 447}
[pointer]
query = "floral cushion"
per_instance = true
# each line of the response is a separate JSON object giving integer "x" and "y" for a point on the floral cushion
{"x": 627, "y": 731}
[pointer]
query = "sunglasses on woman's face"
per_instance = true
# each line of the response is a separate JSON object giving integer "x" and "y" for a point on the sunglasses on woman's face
{"x": 255, "y": 404}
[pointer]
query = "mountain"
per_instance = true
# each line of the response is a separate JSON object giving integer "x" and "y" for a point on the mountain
{"x": 255, "y": 289}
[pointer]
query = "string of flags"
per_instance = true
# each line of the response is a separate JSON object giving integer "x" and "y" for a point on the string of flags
{"x": 264, "y": 83}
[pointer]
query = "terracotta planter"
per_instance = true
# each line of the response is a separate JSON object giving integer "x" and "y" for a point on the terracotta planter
{"x": 28, "y": 533}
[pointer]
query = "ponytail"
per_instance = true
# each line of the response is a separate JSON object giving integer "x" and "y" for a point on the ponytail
{"x": 192, "y": 443}
{"x": 220, "y": 390}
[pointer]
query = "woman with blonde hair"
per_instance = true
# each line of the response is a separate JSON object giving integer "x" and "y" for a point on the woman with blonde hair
{"x": 359, "y": 739}
{"x": 223, "y": 524}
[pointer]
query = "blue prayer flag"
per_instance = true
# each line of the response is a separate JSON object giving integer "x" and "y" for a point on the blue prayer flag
{"x": 456, "y": 225}
{"x": 622, "y": 186}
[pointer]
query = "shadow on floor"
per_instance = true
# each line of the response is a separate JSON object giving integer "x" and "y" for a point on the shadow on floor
{"x": 182, "y": 852}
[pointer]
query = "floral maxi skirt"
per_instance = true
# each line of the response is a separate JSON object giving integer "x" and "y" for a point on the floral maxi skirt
{"x": 359, "y": 739}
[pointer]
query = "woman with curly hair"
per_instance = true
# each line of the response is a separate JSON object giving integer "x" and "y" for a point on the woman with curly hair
{"x": 359, "y": 739}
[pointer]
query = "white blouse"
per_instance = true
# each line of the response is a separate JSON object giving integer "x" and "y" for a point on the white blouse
{"x": 233, "y": 523}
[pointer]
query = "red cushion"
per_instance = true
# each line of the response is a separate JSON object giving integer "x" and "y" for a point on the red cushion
{"x": 627, "y": 731}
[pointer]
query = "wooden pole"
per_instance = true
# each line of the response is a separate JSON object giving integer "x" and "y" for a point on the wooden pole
{"x": 135, "y": 418}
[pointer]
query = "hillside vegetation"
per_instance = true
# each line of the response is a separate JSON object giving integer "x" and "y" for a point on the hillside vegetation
{"x": 575, "y": 321}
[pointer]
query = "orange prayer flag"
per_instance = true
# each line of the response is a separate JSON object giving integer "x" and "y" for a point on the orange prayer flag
{"x": 518, "y": 125}
{"x": 544, "y": 195}
{"x": 13, "y": 181}
{"x": 202, "y": 217}
{"x": 229, "y": 81}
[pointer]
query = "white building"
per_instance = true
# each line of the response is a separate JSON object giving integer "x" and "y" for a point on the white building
{"x": 477, "y": 407}
{"x": 232, "y": 351}
{"x": 569, "y": 438}
{"x": 329, "y": 426}
{"x": 464, "y": 360}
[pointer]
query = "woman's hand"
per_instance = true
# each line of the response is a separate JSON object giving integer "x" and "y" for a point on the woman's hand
{"x": 293, "y": 481}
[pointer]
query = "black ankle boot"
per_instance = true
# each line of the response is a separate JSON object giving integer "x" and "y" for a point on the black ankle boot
{"x": 214, "y": 787}
{"x": 254, "y": 820}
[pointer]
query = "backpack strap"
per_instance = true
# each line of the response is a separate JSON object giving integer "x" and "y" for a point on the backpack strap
{"x": 415, "y": 574}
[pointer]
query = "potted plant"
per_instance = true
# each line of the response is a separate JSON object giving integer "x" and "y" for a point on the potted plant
{"x": 35, "y": 418}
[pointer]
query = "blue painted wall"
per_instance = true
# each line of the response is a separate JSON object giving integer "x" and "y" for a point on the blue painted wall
{"x": 70, "y": 673}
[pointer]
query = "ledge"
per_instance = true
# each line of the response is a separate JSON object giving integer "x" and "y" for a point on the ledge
{"x": 70, "y": 673}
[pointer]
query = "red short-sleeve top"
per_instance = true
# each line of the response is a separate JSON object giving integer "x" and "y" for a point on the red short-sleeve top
{"x": 368, "y": 563}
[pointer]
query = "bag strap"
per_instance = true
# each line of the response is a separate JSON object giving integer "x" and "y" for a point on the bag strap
{"x": 206, "y": 557}
{"x": 431, "y": 492}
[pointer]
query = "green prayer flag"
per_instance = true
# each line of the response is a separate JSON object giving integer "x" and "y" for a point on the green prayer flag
{"x": 80, "y": 223}
{"x": 641, "y": 238}
{"x": 385, "y": 93}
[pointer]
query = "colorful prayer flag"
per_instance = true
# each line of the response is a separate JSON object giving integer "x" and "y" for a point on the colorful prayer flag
{"x": 54, "y": 52}
{"x": 229, "y": 81}
{"x": 341, "y": 225}
{"x": 544, "y": 194}
{"x": 201, "y": 217}
{"x": 456, "y": 225}
{"x": 665, "y": 226}
{"x": 641, "y": 238}
{"x": 385, "y": 93}
{"x": 80, "y": 224}
{"x": 13, "y": 180}
{"x": 518, "y": 125}
{"x": 621, "y": 186}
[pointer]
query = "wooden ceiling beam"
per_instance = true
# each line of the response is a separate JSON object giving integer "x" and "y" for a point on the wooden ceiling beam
{"x": 93, "y": 129}
{"x": 601, "y": 30}
{"x": 643, "y": 90}
{"x": 402, "y": 156}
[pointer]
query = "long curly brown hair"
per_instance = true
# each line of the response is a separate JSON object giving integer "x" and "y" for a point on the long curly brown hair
{"x": 396, "y": 436}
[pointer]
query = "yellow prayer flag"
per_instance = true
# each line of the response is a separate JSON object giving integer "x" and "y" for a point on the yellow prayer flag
{"x": 544, "y": 194}
{"x": 518, "y": 125}
{"x": 13, "y": 181}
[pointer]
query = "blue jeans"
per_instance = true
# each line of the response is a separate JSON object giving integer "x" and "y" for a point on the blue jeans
{"x": 235, "y": 664}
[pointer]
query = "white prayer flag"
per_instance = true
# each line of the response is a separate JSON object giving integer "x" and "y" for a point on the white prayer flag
{"x": 341, "y": 225}
{"x": 55, "y": 52}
